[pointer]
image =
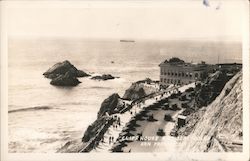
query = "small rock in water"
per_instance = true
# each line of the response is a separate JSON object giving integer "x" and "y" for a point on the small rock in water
{"x": 103, "y": 77}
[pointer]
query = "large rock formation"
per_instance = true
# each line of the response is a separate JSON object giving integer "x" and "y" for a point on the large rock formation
{"x": 139, "y": 89}
{"x": 62, "y": 68}
{"x": 134, "y": 92}
{"x": 111, "y": 105}
{"x": 64, "y": 74}
{"x": 93, "y": 128}
{"x": 95, "y": 132}
{"x": 65, "y": 80}
{"x": 219, "y": 125}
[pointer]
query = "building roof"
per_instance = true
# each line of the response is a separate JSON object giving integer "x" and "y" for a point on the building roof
{"x": 176, "y": 62}
{"x": 191, "y": 65}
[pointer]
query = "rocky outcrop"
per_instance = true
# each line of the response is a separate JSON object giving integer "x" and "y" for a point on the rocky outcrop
{"x": 211, "y": 88}
{"x": 139, "y": 89}
{"x": 205, "y": 94}
{"x": 64, "y": 74}
{"x": 62, "y": 68}
{"x": 219, "y": 125}
{"x": 103, "y": 77}
{"x": 65, "y": 80}
{"x": 112, "y": 104}
{"x": 95, "y": 132}
{"x": 81, "y": 73}
{"x": 94, "y": 128}
{"x": 134, "y": 92}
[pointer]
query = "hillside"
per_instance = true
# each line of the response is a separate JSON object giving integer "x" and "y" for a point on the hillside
{"x": 219, "y": 127}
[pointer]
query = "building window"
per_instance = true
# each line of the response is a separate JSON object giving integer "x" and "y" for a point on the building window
{"x": 182, "y": 74}
{"x": 168, "y": 80}
{"x": 190, "y": 75}
{"x": 196, "y": 75}
{"x": 176, "y": 74}
{"x": 172, "y": 73}
{"x": 171, "y": 80}
{"x": 179, "y": 81}
{"x": 161, "y": 79}
{"x": 168, "y": 73}
{"x": 179, "y": 74}
{"x": 187, "y": 74}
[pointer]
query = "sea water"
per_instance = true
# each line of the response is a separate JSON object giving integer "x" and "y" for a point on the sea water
{"x": 42, "y": 117}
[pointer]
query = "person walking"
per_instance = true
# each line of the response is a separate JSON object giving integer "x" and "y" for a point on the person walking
{"x": 109, "y": 139}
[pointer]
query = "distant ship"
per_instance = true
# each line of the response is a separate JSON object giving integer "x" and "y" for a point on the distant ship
{"x": 127, "y": 40}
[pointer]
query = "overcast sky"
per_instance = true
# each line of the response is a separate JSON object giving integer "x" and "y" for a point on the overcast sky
{"x": 144, "y": 20}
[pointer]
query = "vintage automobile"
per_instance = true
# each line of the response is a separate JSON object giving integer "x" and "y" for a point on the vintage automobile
{"x": 174, "y": 132}
{"x": 160, "y": 132}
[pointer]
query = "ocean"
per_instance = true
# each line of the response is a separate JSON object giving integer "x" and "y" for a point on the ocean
{"x": 42, "y": 117}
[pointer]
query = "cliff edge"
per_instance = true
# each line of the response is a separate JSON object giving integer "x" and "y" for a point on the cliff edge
{"x": 219, "y": 128}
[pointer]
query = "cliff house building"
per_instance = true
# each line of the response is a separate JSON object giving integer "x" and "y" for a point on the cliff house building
{"x": 176, "y": 71}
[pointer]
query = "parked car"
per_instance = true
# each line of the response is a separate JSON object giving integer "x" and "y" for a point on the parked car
{"x": 174, "y": 107}
{"x": 160, "y": 132}
{"x": 151, "y": 118}
{"x": 168, "y": 117}
{"x": 174, "y": 133}
{"x": 165, "y": 107}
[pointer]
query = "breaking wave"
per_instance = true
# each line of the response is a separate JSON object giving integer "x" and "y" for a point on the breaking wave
{"x": 31, "y": 109}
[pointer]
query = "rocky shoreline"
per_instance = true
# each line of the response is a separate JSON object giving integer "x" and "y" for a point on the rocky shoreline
{"x": 144, "y": 102}
{"x": 112, "y": 105}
